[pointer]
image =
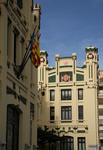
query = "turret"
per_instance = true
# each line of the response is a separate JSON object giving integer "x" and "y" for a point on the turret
{"x": 37, "y": 13}
{"x": 43, "y": 57}
{"x": 42, "y": 67}
{"x": 91, "y": 63}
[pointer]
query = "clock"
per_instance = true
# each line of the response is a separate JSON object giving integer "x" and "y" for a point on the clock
{"x": 42, "y": 59}
{"x": 90, "y": 56}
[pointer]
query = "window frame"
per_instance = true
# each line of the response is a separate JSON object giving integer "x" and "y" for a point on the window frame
{"x": 69, "y": 97}
{"x": 66, "y": 113}
{"x": 52, "y": 99}
{"x": 52, "y": 117}
{"x": 81, "y": 143}
{"x": 80, "y": 97}
{"x": 80, "y": 113}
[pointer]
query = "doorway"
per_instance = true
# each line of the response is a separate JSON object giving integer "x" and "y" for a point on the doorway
{"x": 12, "y": 135}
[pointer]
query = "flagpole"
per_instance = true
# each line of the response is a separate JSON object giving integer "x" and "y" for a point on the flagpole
{"x": 27, "y": 49}
{"x": 26, "y": 57}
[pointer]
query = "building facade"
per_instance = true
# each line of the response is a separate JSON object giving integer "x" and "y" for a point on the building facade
{"x": 68, "y": 105}
{"x": 18, "y": 94}
{"x": 100, "y": 105}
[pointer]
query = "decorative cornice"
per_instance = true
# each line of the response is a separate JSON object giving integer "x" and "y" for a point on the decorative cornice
{"x": 66, "y": 66}
{"x": 91, "y": 49}
{"x": 52, "y": 73}
{"x": 79, "y": 71}
{"x": 64, "y": 57}
{"x": 65, "y": 85}
{"x": 51, "y": 86}
{"x": 49, "y": 69}
{"x": 43, "y": 53}
{"x": 80, "y": 85}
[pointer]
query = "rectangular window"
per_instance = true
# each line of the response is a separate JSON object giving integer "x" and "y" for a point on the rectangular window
{"x": 15, "y": 38}
{"x": 16, "y": 33}
{"x": 66, "y": 94}
{"x": 66, "y": 113}
{"x": 100, "y": 90}
{"x": 8, "y": 37}
{"x": 52, "y": 114}
{"x": 80, "y": 94}
{"x": 52, "y": 95}
{"x": 31, "y": 111}
{"x": 101, "y": 133}
{"x": 20, "y": 3}
{"x": 101, "y": 111}
{"x": 100, "y": 101}
{"x": 100, "y": 122}
{"x": 80, "y": 112}
{"x": 81, "y": 143}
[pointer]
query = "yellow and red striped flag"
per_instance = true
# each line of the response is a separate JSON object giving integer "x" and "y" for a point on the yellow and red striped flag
{"x": 35, "y": 54}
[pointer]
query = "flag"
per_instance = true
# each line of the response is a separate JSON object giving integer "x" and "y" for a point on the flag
{"x": 35, "y": 52}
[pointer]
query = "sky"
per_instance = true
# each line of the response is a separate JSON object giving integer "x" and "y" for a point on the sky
{"x": 69, "y": 26}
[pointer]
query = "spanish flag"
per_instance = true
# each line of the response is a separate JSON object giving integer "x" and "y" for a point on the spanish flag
{"x": 35, "y": 54}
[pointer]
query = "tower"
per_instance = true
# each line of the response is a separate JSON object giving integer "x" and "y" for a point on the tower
{"x": 92, "y": 64}
{"x": 91, "y": 94}
{"x": 41, "y": 70}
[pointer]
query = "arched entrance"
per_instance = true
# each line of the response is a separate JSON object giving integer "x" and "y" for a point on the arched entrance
{"x": 12, "y": 134}
{"x": 67, "y": 143}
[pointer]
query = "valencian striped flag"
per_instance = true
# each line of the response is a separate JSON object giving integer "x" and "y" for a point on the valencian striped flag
{"x": 35, "y": 51}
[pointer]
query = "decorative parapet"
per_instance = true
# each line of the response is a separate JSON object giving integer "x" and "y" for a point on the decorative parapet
{"x": 91, "y": 49}
{"x": 66, "y": 66}
{"x": 43, "y": 53}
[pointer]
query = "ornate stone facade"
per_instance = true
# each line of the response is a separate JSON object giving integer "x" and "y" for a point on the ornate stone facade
{"x": 18, "y": 96}
{"x": 69, "y": 106}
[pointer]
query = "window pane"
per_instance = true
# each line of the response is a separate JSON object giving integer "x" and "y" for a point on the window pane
{"x": 100, "y": 122}
{"x": 52, "y": 95}
{"x": 66, "y": 113}
{"x": 101, "y": 111}
{"x": 80, "y": 112}
{"x": 52, "y": 113}
{"x": 81, "y": 143}
{"x": 66, "y": 94}
{"x": 80, "y": 94}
